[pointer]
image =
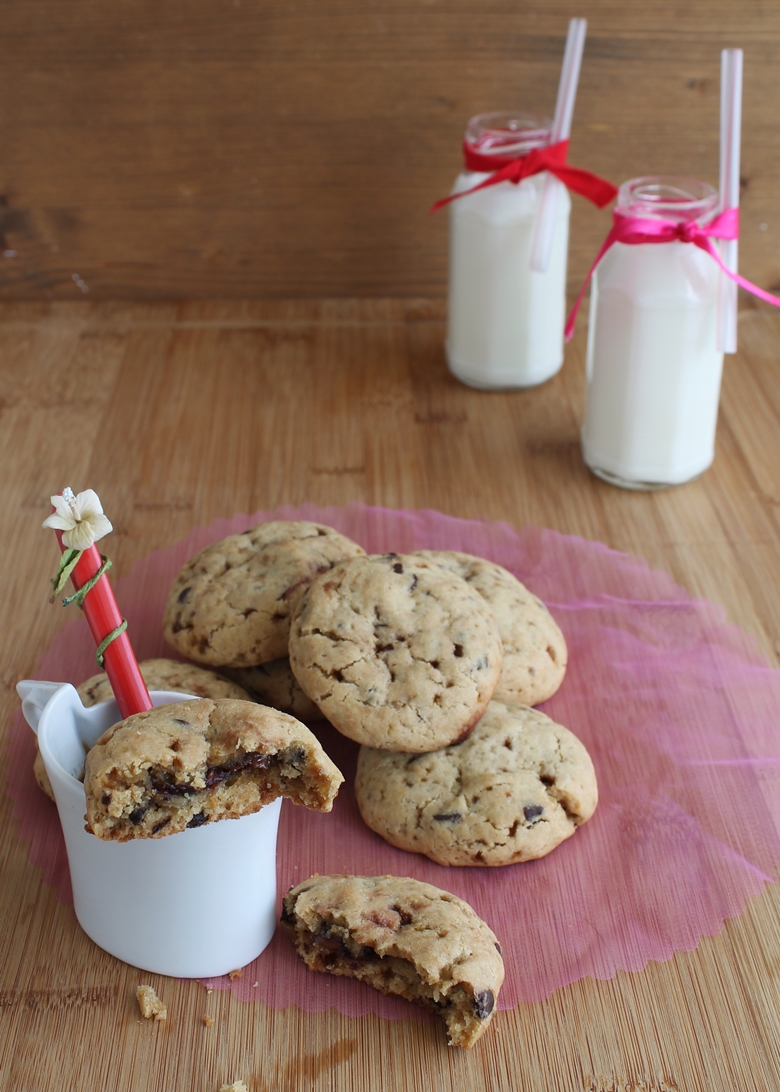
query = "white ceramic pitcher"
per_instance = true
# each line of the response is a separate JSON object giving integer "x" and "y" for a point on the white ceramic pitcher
{"x": 195, "y": 904}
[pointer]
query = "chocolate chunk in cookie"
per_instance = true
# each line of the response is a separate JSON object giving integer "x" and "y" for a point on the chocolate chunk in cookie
{"x": 230, "y": 605}
{"x": 535, "y": 653}
{"x": 513, "y": 791}
{"x": 402, "y": 937}
{"x": 190, "y": 763}
{"x": 396, "y": 651}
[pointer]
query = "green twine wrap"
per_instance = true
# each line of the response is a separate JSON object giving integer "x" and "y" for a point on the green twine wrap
{"x": 101, "y": 648}
{"x": 68, "y": 562}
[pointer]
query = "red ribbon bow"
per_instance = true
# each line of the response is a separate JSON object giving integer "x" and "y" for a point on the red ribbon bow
{"x": 514, "y": 169}
{"x": 633, "y": 230}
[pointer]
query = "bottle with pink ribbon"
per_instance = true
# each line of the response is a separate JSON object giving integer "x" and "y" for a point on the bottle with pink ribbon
{"x": 663, "y": 311}
{"x": 654, "y": 361}
{"x": 509, "y": 232}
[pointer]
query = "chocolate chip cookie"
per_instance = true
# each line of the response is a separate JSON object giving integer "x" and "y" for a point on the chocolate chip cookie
{"x": 158, "y": 674}
{"x": 162, "y": 674}
{"x": 396, "y": 651}
{"x": 190, "y": 763}
{"x": 535, "y": 652}
{"x": 513, "y": 791}
{"x": 230, "y": 605}
{"x": 402, "y": 937}
{"x": 274, "y": 684}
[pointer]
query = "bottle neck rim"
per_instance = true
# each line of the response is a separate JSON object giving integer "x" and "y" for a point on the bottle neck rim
{"x": 672, "y": 198}
{"x": 508, "y": 133}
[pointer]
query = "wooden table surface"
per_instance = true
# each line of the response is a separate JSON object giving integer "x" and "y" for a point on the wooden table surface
{"x": 178, "y": 414}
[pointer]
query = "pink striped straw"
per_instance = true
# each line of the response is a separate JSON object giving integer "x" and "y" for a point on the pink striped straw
{"x": 730, "y": 134}
{"x": 564, "y": 109}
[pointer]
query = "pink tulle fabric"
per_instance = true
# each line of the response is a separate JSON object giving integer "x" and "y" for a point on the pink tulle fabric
{"x": 676, "y": 706}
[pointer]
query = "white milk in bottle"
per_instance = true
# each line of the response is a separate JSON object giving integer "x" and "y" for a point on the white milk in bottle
{"x": 653, "y": 366}
{"x": 505, "y": 321}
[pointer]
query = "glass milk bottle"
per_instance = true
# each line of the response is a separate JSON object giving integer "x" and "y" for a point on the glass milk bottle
{"x": 505, "y": 324}
{"x": 653, "y": 364}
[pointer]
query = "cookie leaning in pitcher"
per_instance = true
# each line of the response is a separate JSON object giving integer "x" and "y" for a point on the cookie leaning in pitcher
{"x": 402, "y": 937}
{"x": 535, "y": 653}
{"x": 396, "y": 651}
{"x": 158, "y": 674}
{"x": 513, "y": 791}
{"x": 193, "y": 762}
{"x": 230, "y": 605}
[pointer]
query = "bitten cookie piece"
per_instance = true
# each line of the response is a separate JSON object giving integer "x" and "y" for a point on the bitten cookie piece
{"x": 274, "y": 684}
{"x": 535, "y": 653}
{"x": 230, "y": 605}
{"x": 402, "y": 937}
{"x": 519, "y": 786}
{"x": 190, "y": 763}
{"x": 396, "y": 651}
{"x": 159, "y": 674}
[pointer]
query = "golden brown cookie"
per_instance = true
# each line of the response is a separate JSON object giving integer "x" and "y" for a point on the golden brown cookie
{"x": 193, "y": 762}
{"x": 402, "y": 937}
{"x": 171, "y": 675}
{"x": 230, "y": 605}
{"x": 274, "y": 684}
{"x": 158, "y": 674}
{"x": 535, "y": 654}
{"x": 513, "y": 791}
{"x": 396, "y": 651}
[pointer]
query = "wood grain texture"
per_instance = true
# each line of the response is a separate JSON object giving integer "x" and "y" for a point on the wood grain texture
{"x": 245, "y": 148}
{"x": 178, "y": 414}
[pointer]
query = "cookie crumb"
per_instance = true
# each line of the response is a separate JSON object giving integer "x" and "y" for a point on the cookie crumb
{"x": 255, "y": 984}
{"x": 150, "y": 1004}
{"x": 207, "y": 1021}
{"x": 236, "y": 1086}
{"x": 238, "y": 973}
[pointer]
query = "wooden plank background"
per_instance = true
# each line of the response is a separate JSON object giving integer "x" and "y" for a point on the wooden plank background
{"x": 267, "y": 149}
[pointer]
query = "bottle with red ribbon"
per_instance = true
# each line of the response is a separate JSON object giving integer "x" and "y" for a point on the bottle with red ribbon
{"x": 506, "y": 309}
{"x": 654, "y": 362}
{"x": 505, "y": 326}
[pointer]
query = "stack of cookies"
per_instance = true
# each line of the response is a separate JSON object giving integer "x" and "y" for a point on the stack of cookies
{"x": 432, "y": 662}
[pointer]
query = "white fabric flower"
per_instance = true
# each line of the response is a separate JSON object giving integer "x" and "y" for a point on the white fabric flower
{"x": 80, "y": 518}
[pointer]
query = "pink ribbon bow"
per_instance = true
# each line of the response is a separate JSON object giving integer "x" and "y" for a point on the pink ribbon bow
{"x": 634, "y": 229}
